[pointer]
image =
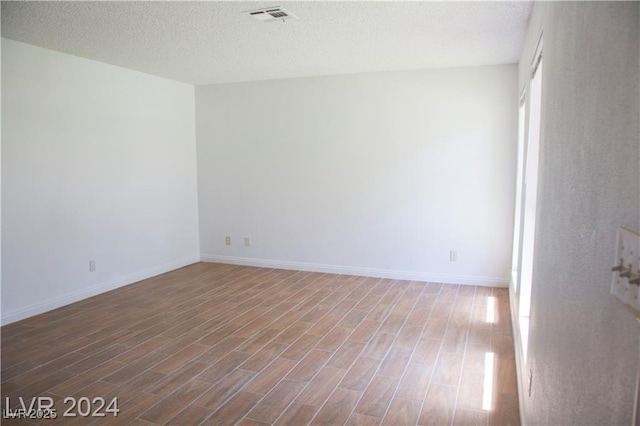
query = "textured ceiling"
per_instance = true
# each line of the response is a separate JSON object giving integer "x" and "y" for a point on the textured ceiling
{"x": 213, "y": 42}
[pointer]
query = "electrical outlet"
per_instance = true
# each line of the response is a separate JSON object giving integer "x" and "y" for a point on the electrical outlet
{"x": 227, "y": 241}
{"x": 92, "y": 265}
{"x": 453, "y": 256}
{"x": 247, "y": 242}
{"x": 625, "y": 283}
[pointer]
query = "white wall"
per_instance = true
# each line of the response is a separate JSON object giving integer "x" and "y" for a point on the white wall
{"x": 0, "y": 172}
{"x": 98, "y": 163}
{"x": 375, "y": 174}
{"x": 583, "y": 348}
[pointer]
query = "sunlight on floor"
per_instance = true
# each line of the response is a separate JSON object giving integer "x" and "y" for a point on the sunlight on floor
{"x": 487, "y": 389}
{"x": 491, "y": 310}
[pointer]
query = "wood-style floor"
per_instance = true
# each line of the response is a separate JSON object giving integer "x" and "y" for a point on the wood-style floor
{"x": 223, "y": 344}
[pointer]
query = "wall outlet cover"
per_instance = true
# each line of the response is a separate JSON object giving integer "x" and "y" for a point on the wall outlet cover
{"x": 625, "y": 281}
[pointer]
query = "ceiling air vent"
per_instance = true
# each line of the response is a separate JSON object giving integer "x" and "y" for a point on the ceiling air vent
{"x": 271, "y": 14}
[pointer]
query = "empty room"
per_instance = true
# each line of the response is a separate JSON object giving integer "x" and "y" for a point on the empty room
{"x": 307, "y": 212}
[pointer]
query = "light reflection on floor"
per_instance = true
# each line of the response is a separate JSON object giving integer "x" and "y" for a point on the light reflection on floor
{"x": 491, "y": 310}
{"x": 487, "y": 389}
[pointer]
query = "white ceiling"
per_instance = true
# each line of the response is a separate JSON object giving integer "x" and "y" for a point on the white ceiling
{"x": 213, "y": 42}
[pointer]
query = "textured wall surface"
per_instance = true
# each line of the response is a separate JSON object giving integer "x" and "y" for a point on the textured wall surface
{"x": 380, "y": 173}
{"x": 98, "y": 164}
{"x": 584, "y": 343}
{"x": 207, "y": 42}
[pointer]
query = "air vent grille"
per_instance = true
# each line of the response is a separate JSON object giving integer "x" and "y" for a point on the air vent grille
{"x": 271, "y": 14}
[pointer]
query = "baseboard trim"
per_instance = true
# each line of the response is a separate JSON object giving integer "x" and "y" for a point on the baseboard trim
{"x": 76, "y": 296}
{"x": 366, "y": 272}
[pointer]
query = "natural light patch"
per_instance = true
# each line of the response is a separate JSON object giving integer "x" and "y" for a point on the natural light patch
{"x": 487, "y": 390}
{"x": 491, "y": 310}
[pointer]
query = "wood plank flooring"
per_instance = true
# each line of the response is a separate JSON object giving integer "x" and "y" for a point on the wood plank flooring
{"x": 224, "y": 344}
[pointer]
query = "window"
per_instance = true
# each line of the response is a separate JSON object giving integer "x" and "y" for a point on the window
{"x": 530, "y": 197}
{"x": 515, "y": 259}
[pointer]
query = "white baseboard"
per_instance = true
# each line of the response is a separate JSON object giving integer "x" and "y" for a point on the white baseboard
{"x": 39, "y": 308}
{"x": 366, "y": 272}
